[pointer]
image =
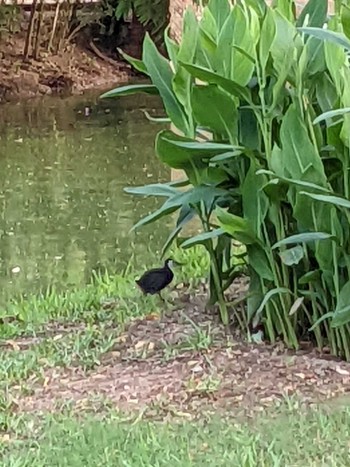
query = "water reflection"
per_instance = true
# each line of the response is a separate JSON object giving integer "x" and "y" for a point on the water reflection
{"x": 63, "y": 211}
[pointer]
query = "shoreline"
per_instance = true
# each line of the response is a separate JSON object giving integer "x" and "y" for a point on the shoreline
{"x": 72, "y": 72}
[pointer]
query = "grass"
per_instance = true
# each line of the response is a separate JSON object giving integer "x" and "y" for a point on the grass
{"x": 28, "y": 315}
{"x": 84, "y": 347}
{"x": 77, "y": 327}
{"x": 292, "y": 437}
{"x": 74, "y": 329}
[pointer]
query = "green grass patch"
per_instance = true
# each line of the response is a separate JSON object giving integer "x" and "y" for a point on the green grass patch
{"x": 95, "y": 316}
{"x": 293, "y": 437}
{"x": 79, "y": 347}
{"x": 29, "y": 314}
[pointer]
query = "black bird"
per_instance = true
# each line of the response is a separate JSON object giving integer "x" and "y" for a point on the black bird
{"x": 155, "y": 280}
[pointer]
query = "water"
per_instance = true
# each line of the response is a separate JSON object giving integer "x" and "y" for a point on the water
{"x": 63, "y": 211}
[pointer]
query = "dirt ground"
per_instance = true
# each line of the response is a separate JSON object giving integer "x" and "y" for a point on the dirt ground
{"x": 70, "y": 72}
{"x": 186, "y": 364}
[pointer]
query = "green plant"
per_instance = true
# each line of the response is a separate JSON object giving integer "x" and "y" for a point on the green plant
{"x": 153, "y": 14}
{"x": 243, "y": 89}
{"x": 9, "y": 19}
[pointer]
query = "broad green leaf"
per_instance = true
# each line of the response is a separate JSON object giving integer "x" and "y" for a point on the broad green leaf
{"x": 259, "y": 6}
{"x": 342, "y": 311}
{"x": 291, "y": 181}
{"x": 203, "y": 194}
{"x": 129, "y": 90}
{"x": 316, "y": 62}
{"x": 206, "y": 53}
{"x": 168, "y": 207}
{"x": 345, "y": 99}
{"x": 259, "y": 262}
{"x": 213, "y": 78}
{"x": 311, "y": 276}
{"x": 223, "y": 115}
{"x": 335, "y": 59}
{"x": 298, "y": 154}
{"x": 206, "y": 148}
{"x": 327, "y": 35}
{"x": 227, "y": 156}
{"x": 331, "y": 114}
{"x": 214, "y": 175}
{"x": 172, "y": 47}
{"x": 276, "y": 162}
{"x": 268, "y": 33}
{"x": 279, "y": 87}
{"x": 162, "y": 75}
{"x": 192, "y": 197}
{"x": 238, "y": 227}
{"x": 276, "y": 190}
{"x": 185, "y": 153}
{"x": 283, "y": 45}
{"x": 208, "y": 25}
{"x": 324, "y": 317}
{"x": 176, "y": 156}
{"x": 292, "y": 256}
{"x": 246, "y": 55}
{"x": 242, "y": 68}
{"x": 224, "y": 49}
{"x": 249, "y": 133}
{"x": 268, "y": 296}
{"x": 135, "y": 62}
{"x": 345, "y": 19}
{"x": 220, "y": 10}
{"x": 326, "y": 92}
{"x": 254, "y": 26}
{"x": 333, "y": 200}
{"x": 303, "y": 238}
{"x": 186, "y": 214}
{"x": 202, "y": 238}
{"x": 254, "y": 200}
{"x": 154, "y": 189}
{"x": 285, "y": 8}
{"x": 182, "y": 81}
{"x": 316, "y": 10}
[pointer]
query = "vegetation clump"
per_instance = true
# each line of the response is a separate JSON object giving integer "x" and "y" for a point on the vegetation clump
{"x": 250, "y": 92}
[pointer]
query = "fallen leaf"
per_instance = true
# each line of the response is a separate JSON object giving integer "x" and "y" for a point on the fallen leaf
{"x": 152, "y": 316}
{"x": 296, "y": 305}
{"x": 46, "y": 382}
{"x": 13, "y": 344}
{"x": 58, "y": 337}
{"x": 140, "y": 345}
{"x": 341, "y": 371}
{"x": 192, "y": 362}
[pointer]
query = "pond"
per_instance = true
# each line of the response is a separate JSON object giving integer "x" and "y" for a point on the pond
{"x": 63, "y": 166}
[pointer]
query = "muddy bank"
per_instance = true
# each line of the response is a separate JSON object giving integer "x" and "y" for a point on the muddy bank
{"x": 72, "y": 71}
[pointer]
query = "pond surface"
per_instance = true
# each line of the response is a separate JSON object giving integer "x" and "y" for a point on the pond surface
{"x": 63, "y": 212}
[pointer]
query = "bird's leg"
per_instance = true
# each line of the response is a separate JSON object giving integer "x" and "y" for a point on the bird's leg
{"x": 160, "y": 296}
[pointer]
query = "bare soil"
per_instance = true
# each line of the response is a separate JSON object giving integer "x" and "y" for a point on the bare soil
{"x": 72, "y": 71}
{"x": 166, "y": 366}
